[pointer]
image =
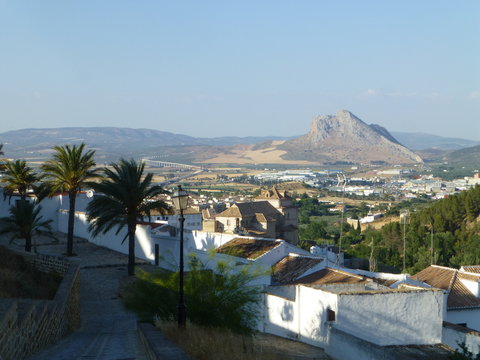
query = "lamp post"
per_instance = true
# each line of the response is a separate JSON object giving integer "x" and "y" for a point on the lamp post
{"x": 180, "y": 200}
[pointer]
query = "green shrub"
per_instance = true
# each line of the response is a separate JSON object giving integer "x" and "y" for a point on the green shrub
{"x": 219, "y": 299}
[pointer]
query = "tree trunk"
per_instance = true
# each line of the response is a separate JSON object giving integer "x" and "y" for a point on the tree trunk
{"x": 71, "y": 221}
{"x": 28, "y": 243}
{"x": 131, "y": 249}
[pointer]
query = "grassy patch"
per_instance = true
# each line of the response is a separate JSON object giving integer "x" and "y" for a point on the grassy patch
{"x": 207, "y": 343}
{"x": 19, "y": 279}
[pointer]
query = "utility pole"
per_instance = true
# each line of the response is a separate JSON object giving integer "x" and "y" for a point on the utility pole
{"x": 431, "y": 245}
{"x": 405, "y": 215}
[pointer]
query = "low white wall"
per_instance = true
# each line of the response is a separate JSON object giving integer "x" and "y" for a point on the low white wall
{"x": 454, "y": 335}
{"x": 471, "y": 317}
{"x": 202, "y": 240}
{"x": 281, "y": 317}
{"x": 405, "y": 318}
{"x": 314, "y": 325}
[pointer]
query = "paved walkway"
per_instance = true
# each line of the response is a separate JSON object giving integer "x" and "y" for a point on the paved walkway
{"x": 108, "y": 331}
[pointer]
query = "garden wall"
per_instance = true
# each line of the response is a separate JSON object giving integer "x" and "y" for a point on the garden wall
{"x": 28, "y": 325}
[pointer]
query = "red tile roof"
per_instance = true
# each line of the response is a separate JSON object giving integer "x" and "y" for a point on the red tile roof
{"x": 472, "y": 269}
{"x": 450, "y": 279}
{"x": 291, "y": 267}
{"x": 331, "y": 276}
{"x": 247, "y": 248}
{"x": 251, "y": 209}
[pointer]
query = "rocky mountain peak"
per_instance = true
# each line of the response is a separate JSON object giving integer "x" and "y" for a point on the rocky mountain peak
{"x": 344, "y": 137}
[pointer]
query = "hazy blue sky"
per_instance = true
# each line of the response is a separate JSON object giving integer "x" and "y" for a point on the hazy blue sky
{"x": 215, "y": 68}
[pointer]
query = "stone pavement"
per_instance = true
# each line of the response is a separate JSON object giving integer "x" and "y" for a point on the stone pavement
{"x": 108, "y": 331}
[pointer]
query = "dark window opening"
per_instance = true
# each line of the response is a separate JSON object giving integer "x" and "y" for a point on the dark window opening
{"x": 330, "y": 315}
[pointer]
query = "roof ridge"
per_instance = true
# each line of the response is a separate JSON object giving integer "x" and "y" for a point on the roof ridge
{"x": 452, "y": 281}
{"x": 443, "y": 267}
{"x": 346, "y": 272}
{"x": 469, "y": 273}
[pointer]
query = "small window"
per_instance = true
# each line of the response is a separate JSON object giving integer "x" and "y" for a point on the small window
{"x": 330, "y": 315}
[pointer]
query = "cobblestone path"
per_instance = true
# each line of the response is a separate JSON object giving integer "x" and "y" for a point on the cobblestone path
{"x": 108, "y": 331}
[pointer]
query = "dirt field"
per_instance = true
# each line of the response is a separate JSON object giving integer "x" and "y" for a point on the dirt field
{"x": 246, "y": 155}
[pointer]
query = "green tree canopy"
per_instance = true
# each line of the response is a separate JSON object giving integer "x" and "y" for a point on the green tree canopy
{"x": 19, "y": 178}
{"x": 68, "y": 171}
{"x": 124, "y": 197}
{"x": 24, "y": 222}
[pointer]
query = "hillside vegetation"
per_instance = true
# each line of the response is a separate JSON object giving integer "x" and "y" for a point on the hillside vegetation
{"x": 456, "y": 235}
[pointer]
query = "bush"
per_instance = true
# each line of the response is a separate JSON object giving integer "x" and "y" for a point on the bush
{"x": 219, "y": 299}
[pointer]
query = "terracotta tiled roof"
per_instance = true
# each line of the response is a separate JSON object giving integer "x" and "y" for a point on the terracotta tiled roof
{"x": 272, "y": 193}
{"x": 472, "y": 268}
{"x": 208, "y": 213}
{"x": 461, "y": 297}
{"x": 249, "y": 209}
{"x": 436, "y": 276}
{"x": 291, "y": 267}
{"x": 451, "y": 280}
{"x": 247, "y": 248}
{"x": 331, "y": 276}
{"x": 385, "y": 282}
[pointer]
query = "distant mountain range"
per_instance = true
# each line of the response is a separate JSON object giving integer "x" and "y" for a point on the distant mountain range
{"x": 340, "y": 138}
{"x": 110, "y": 142}
{"x": 422, "y": 141}
{"x": 468, "y": 156}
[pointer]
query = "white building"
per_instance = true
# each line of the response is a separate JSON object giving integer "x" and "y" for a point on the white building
{"x": 462, "y": 289}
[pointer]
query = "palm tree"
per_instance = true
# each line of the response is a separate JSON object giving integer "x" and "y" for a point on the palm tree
{"x": 69, "y": 171}
{"x": 125, "y": 197}
{"x": 19, "y": 178}
{"x": 24, "y": 222}
{"x": 2, "y": 166}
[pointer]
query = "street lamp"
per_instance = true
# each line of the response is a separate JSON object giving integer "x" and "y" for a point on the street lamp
{"x": 180, "y": 201}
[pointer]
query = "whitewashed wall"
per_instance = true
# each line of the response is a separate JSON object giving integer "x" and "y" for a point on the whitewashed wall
{"x": 405, "y": 318}
{"x": 202, "y": 240}
{"x": 413, "y": 317}
{"x": 453, "y": 336}
{"x": 313, "y": 324}
{"x": 471, "y": 317}
{"x": 282, "y": 317}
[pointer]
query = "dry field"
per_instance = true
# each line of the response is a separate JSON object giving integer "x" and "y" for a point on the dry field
{"x": 379, "y": 223}
{"x": 246, "y": 155}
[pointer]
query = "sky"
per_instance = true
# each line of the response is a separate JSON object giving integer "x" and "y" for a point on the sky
{"x": 240, "y": 68}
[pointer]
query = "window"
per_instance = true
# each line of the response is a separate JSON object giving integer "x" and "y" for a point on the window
{"x": 330, "y": 315}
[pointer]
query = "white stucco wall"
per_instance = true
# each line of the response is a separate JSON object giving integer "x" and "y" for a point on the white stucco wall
{"x": 405, "y": 318}
{"x": 202, "y": 240}
{"x": 471, "y": 317}
{"x": 281, "y": 316}
{"x": 313, "y": 306}
{"x": 453, "y": 337}
{"x": 473, "y": 286}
